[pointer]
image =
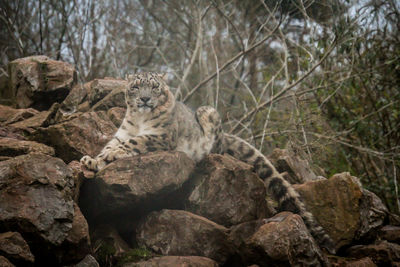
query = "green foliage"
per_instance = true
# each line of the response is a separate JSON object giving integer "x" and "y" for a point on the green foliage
{"x": 106, "y": 255}
{"x": 134, "y": 255}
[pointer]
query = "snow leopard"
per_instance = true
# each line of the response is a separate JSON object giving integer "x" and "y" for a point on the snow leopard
{"x": 155, "y": 121}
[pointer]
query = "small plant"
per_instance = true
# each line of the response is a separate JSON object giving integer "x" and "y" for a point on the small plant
{"x": 134, "y": 255}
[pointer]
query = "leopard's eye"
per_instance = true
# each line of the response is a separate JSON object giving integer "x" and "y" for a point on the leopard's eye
{"x": 156, "y": 88}
{"x": 134, "y": 88}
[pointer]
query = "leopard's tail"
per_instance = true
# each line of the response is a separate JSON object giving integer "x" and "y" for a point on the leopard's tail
{"x": 281, "y": 190}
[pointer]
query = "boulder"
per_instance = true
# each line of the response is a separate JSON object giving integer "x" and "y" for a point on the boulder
{"x": 108, "y": 91}
{"x": 4, "y": 262}
{"x": 181, "y": 233}
{"x": 285, "y": 241}
{"x": 5, "y": 97}
{"x": 298, "y": 170}
{"x": 41, "y": 119}
{"x": 78, "y": 175}
{"x": 131, "y": 187}
{"x": 390, "y": 233}
{"x": 71, "y": 103}
{"x": 228, "y": 192}
{"x": 166, "y": 261}
{"x": 36, "y": 201}
{"x": 15, "y": 248}
{"x": 88, "y": 261}
{"x": 107, "y": 240}
{"x": 11, "y": 132}
{"x": 10, "y": 147}
{"x": 38, "y": 81}
{"x": 372, "y": 216}
{"x": 335, "y": 203}
{"x": 382, "y": 253}
{"x": 110, "y": 247}
{"x": 239, "y": 234}
{"x": 77, "y": 242}
{"x": 84, "y": 134}
{"x": 350, "y": 262}
{"x": 9, "y": 115}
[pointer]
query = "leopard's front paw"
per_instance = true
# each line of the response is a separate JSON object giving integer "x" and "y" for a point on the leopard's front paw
{"x": 91, "y": 163}
{"x": 114, "y": 155}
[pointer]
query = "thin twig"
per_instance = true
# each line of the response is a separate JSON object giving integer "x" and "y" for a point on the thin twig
{"x": 287, "y": 88}
{"x": 229, "y": 62}
{"x": 395, "y": 185}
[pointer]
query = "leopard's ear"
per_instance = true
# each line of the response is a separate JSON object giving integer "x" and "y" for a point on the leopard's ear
{"x": 163, "y": 76}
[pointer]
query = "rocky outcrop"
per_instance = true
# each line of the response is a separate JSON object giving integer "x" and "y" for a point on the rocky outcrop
{"x": 158, "y": 209}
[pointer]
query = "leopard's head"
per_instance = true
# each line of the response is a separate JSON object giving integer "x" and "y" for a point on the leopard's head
{"x": 146, "y": 92}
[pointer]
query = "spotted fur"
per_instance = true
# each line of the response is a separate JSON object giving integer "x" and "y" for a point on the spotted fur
{"x": 154, "y": 121}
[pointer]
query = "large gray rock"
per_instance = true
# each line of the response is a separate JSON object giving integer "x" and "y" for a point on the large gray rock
{"x": 285, "y": 241}
{"x": 38, "y": 81}
{"x": 36, "y": 200}
{"x": 177, "y": 232}
{"x": 15, "y": 248}
{"x": 136, "y": 185}
{"x": 36, "y": 197}
{"x": 228, "y": 192}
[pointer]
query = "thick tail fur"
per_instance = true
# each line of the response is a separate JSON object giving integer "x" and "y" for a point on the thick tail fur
{"x": 281, "y": 190}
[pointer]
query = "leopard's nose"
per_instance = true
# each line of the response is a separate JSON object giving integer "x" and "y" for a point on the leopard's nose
{"x": 145, "y": 99}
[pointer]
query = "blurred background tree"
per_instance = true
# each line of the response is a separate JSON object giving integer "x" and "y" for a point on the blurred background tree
{"x": 320, "y": 78}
